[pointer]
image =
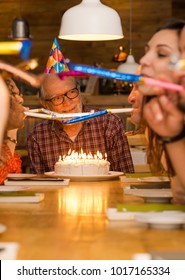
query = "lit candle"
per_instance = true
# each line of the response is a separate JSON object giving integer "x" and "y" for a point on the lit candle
{"x": 82, "y": 157}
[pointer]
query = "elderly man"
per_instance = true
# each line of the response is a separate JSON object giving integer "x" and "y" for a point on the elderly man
{"x": 50, "y": 139}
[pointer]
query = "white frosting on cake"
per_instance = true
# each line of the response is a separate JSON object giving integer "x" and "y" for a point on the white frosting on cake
{"x": 81, "y": 164}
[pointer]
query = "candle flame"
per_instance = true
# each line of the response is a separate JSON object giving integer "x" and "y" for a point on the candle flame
{"x": 82, "y": 156}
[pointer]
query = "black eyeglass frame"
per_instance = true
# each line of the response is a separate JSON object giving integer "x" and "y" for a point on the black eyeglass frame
{"x": 64, "y": 95}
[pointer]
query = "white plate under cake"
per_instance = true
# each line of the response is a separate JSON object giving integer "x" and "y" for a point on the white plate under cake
{"x": 112, "y": 175}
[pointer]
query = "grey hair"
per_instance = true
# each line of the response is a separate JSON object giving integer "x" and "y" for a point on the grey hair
{"x": 42, "y": 90}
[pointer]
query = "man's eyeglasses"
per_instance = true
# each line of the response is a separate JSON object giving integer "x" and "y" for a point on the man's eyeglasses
{"x": 59, "y": 99}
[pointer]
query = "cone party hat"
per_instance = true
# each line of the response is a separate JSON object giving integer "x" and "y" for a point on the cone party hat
{"x": 56, "y": 61}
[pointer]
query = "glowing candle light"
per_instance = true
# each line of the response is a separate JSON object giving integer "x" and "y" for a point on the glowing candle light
{"x": 82, "y": 156}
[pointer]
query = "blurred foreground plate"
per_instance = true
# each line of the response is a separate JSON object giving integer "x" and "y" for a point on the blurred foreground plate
{"x": 20, "y": 176}
{"x": 162, "y": 220}
{"x": 8, "y": 250}
{"x": 151, "y": 195}
{"x": 13, "y": 188}
{"x": 140, "y": 179}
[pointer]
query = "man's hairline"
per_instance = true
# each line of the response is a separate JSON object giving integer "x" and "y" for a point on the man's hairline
{"x": 42, "y": 91}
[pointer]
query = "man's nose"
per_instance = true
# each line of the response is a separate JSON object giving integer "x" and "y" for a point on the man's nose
{"x": 66, "y": 99}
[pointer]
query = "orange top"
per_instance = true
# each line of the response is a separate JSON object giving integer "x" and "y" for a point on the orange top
{"x": 8, "y": 163}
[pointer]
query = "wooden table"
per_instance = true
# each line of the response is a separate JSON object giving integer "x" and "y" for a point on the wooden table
{"x": 71, "y": 223}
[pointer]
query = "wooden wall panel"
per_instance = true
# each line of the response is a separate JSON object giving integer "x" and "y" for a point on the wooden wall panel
{"x": 44, "y": 18}
{"x": 178, "y": 8}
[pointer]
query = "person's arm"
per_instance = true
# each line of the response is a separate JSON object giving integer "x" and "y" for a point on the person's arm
{"x": 163, "y": 116}
{"x": 11, "y": 139}
{"x": 4, "y": 109}
{"x": 33, "y": 80}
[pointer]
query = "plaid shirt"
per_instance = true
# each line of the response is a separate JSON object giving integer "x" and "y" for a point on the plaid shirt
{"x": 105, "y": 134}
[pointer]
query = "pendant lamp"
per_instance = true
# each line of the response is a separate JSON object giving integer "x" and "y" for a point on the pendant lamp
{"x": 130, "y": 66}
{"x": 91, "y": 21}
{"x": 20, "y": 29}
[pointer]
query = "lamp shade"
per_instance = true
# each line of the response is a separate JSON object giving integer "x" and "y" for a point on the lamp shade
{"x": 90, "y": 21}
{"x": 20, "y": 29}
{"x": 130, "y": 66}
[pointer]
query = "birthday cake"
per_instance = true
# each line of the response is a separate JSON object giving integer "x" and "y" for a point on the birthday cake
{"x": 82, "y": 164}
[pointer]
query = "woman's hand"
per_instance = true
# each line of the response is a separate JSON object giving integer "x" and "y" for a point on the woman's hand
{"x": 163, "y": 116}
